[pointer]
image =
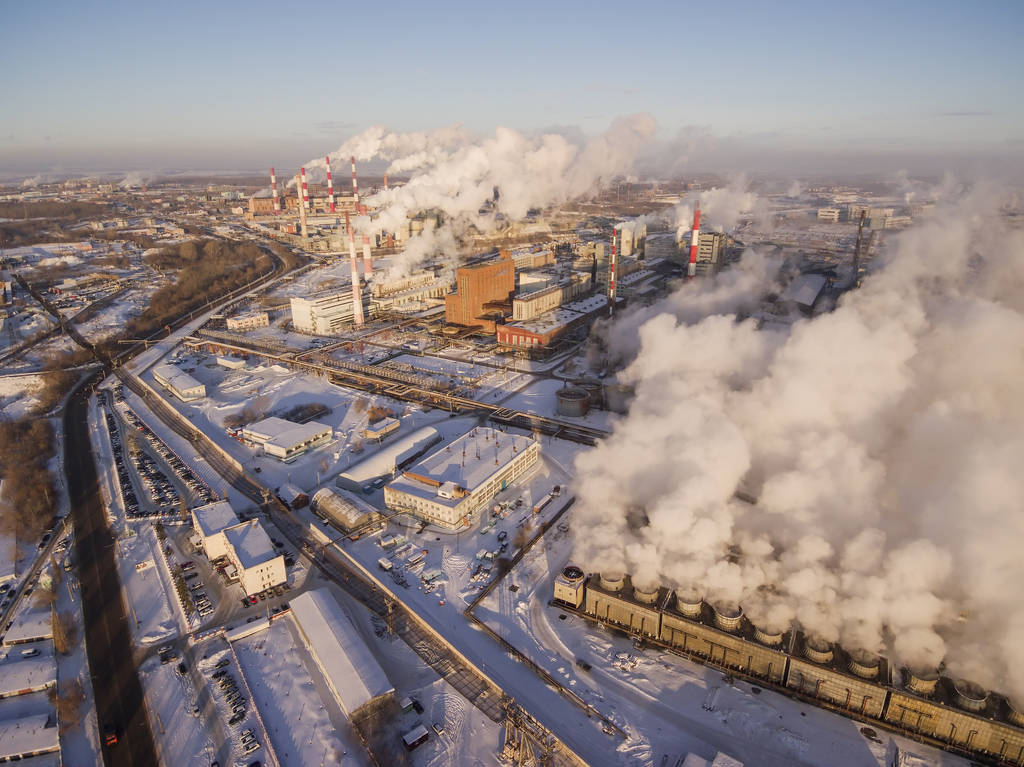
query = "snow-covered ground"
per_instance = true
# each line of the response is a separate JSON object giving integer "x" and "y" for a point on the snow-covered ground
{"x": 153, "y": 609}
{"x": 541, "y": 398}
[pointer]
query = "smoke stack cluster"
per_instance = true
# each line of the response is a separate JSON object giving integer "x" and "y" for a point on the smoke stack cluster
{"x": 330, "y": 184}
{"x": 273, "y": 191}
{"x": 691, "y": 270}
{"x": 357, "y": 292}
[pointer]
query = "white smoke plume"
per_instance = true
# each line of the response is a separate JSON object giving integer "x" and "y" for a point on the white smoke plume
{"x": 457, "y": 175}
{"x": 135, "y": 179}
{"x": 883, "y": 442}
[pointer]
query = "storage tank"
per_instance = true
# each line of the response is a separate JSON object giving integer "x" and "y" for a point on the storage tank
{"x": 727, "y": 616}
{"x": 768, "y": 636}
{"x": 613, "y": 581}
{"x": 572, "y": 401}
{"x": 970, "y": 696}
{"x": 689, "y": 603}
{"x": 863, "y": 664}
{"x": 1015, "y": 712}
{"x": 617, "y": 397}
{"x": 818, "y": 650}
{"x": 646, "y": 594}
{"x": 921, "y": 680}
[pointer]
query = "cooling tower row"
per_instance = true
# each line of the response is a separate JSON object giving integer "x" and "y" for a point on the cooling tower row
{"x": 858, "y": 683}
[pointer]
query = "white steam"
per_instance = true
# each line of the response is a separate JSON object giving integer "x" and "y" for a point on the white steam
{"x": 883, "y": 442}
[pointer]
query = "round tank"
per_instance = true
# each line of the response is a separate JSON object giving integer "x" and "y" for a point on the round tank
{"x": 1015, "y": 712}
{"x": 864, "y": 664}
{"x": 921, "y": 680}
{"x": 617, "y": 397}
{"x": 768, "y": 637}
{"x": 818, "y": 650}
{"x": 647, "y": 594}
{"x": 572, "y": 574}
{"x": 970, "y": 696}
{"x": 613, "y": 581}
{"x": 572, "y": 401}
{"x": 689, "y": 603}
{"x": 727, "y": 617}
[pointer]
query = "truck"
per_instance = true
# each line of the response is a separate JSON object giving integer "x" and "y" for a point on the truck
{"x": 538, "y": 507}
{"x": 385, "y": 564}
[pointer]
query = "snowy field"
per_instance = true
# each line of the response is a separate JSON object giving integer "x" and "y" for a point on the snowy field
{"x": 180, "y": 736}
{"x": 541, "y": 398}
{"x": 153, "y": 609}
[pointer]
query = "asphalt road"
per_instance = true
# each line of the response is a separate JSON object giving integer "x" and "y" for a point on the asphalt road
{"x": 115, "y": 680}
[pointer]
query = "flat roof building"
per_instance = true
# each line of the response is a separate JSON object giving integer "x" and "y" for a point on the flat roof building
{"x": 541, "y": 331}
{"x": 251, "y": 551}
{"x": 210, "y": 521}
{"x": 480, "y": 289}
{"x": 451, "y": 485}
{"x": 383, "y": 464}
{"x": 249, "y": 321}
{"x": 351, "y": 671}
{"x": 179, "y": 383}
{"x": 20, "y": 674}
{"x": 286, "y": 440}
{"x": 381, "y": 428}
{"x": 325, "y": 314}
{"x": 28, "y": 736}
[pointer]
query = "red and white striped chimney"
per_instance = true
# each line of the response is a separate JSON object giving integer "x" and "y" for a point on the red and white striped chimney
{"x": 385, "y": 182}
{"x": 691, "y": 270}
{"x": 355, "y": 183}
{"x": 273, "y": 191}
{"x": 612, "y": 261}
{"x": 357, "y": 292}
{"x": 330, "y": 184}
{"x": 305, "y": 190}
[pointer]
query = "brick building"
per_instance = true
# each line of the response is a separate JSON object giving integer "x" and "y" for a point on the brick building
{"x": 482, "y": 295}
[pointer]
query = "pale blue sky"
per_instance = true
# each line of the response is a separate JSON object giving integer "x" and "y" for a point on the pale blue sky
{"x": 225, "y": 85}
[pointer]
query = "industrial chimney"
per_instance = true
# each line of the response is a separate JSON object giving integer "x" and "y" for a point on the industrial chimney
{"x": 385, "y": 182}
{"x": 612, "y": 260}
{"x": 367, "y": 258}
{"x": 305, "y": 190}
{"x": 300, "y": 181}
{"x": 357, "y": 292}
{"x": 691, "y": 270}
{"x": 330, "y": 184}
{"x": 355, "y": 183}
{"x": 273, "y": 190}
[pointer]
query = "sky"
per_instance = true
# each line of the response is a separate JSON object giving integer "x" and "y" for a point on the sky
{"x": 92, "y": 86}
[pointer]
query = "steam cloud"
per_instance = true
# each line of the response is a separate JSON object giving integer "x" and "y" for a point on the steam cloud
{"x": 884, "y": 443}
{"x": 456, "y": 175}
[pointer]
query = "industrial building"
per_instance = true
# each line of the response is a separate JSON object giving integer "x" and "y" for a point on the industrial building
{"x": 20, "y": 675}
{"x": 382, "y": 465}
{"x": 345, "y": 514}
{"x": 249, "y": 321}
{"x": 245, "y": 545}
{"x": 410, "y": 293}
{"x": 916, "y": 703}
{"x": 258, "y": 563}
{"x": 828, "y": 215}
{"x": 528, "y": 304}
{"x": 452, "y": 484}
{"x": 628, "y": 237}
{"x": 286, "y": 440}
{"x": 29, "y": 736}
{"x": 325, "y": 314}
{"x": 350, "y": 670}
{"x": 381, "y": 428}
{"x": 538, "y": 333}
{"x": 179, "y": 383}
{"x": 482, "y": 295}
{"x": 528, "y": 258}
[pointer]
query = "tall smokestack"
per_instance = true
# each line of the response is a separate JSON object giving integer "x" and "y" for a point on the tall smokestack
{"x": 612, "y": 260}
{"x": 305, "y": 190}
{"x": 357, "y": 292}
{"x": 330, "y": 185}
{"x": 273, "y": 190}
{"x": 355, "y": 183}
{"x": 302, "y": 208}
{"x": 385, "y": 182}
{"x": 367, "y": 259}
{"x": 691, "y": 270}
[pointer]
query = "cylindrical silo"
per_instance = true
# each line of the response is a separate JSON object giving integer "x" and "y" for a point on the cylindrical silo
{"x": 646, "y": 593}
{"x": 727, "y": 616}
{"x": 617, "y": 397}
{"x": 689, "y": 603}
{"x": 768, "y": 636}
{"x": 970, "y": 696}
{"x": 863, "y": 664}
{"x": 818, "y": 650}
{"x": 572, "y": 401}
{"x": 1015, "y": 712}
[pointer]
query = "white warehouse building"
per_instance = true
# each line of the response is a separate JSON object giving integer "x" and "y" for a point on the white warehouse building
{"x": 451, "y": 485}
{"x": 325, "y": 314}
{"x": 245, "y": 545}
{"x": 285, "y": 440}
{"x": 179, "y": 383}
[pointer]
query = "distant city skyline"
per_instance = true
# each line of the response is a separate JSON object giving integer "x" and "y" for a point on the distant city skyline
{"x": 239, "y": 86}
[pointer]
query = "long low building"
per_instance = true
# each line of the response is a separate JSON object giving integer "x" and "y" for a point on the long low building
{"x": 351, "y": 671}
{"x": 28, "y": 736}
{"x": 179, "y": 383}
{"x": 21, "y": 674}
{"x": 539, "y": 332}
{"x": 451, "y": 485}
{"x": 383, "y": 464}
{"x": 286, "y": 440}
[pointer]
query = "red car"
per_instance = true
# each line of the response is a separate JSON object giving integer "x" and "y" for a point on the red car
{"x": 253, "y": 600}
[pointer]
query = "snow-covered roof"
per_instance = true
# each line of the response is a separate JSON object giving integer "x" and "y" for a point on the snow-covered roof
{"x": 175, "y": 378}
{"x": 805, "y": 289}
{"x": 384, "y": 461}
{"x": 341, "y": 509}
{"x": 282, "y": 433}
{"x": 466, "y": 463}
{"x": 28, "y": 735}
{"x": 351, "y": 670}
{"x": 19, "y": 673}
{"x": 31, "y": 623}
{"x": 214, "y": 517}
{"x": 288, "y": 493}
{"x": 251, "y": 543}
